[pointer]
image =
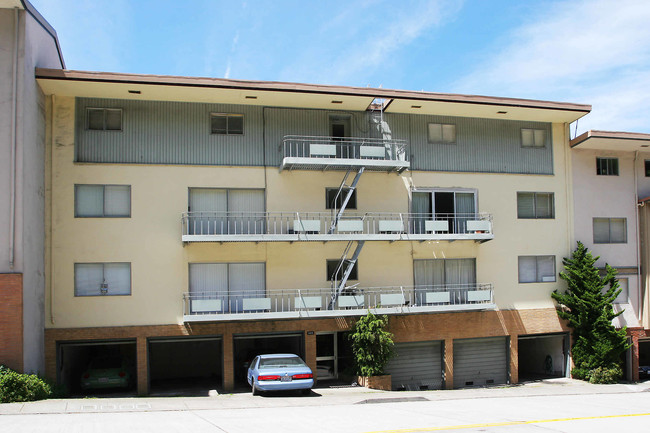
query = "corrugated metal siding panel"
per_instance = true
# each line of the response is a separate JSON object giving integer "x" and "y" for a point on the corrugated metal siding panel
{"x": 482, "y": 145}
{"x": 279, "y": 122}
{"x": 169, "y": 133}
{"x": 416, "y": 365}
{"x": 480, "y": 361}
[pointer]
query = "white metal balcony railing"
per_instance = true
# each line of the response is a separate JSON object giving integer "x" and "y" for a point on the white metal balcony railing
{"x": 315, "y": 226}
{"x": 320, "y": 152}
{"x": 222, "y": 305}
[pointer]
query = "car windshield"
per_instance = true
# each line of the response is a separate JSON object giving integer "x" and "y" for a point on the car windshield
{"x": 281, "y": 362}
{"x": 106, "y": 363}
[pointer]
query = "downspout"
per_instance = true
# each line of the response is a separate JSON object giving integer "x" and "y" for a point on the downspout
{"x": 14, "y": 148}
{"x": 51, "y": 219}
{"x": 638, "y": 235}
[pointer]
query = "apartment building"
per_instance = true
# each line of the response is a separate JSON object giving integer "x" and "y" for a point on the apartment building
{"x": 611, "y": 186}
{"x": 26, "y": 41}
{"x": 193, "y": 223}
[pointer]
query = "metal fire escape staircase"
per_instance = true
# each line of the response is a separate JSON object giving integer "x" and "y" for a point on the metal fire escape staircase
{"x": 339, "y": 286}
{"x": 351, "y": 188}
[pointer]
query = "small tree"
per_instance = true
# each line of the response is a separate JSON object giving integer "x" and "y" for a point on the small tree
{"x": 587, "y": 306}
{"x": 372, "y": 345}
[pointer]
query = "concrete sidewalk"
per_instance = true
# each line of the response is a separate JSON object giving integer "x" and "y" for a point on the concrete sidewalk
{"x": 324, "y": 396}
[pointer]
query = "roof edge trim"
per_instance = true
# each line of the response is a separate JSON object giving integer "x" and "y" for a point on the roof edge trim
{"x": 276, "y": 86}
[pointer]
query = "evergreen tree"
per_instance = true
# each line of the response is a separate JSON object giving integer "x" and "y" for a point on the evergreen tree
{"x": 587, "y": 306}
{"x": 372, "y": 345}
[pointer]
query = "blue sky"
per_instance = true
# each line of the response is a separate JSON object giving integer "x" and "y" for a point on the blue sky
{"x": 587, "y": 51}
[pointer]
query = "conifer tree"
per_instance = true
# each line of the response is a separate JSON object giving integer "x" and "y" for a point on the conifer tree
{"x": 587, "y": 306}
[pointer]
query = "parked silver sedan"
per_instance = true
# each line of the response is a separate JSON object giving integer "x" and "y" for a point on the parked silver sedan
{"x": 279, "y": 372}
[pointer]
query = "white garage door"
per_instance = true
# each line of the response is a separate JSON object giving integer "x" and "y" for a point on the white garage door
{"x": 480, "y": 361}
{"x": 416, "y": 366}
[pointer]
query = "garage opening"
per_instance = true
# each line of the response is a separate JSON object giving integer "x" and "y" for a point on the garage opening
{"x": 480, "y": 362}
{"x": 247, "y": 347}
{"x": 543, "y": 356}
{"x": 97, "y": 367}
{"x": 185, "y": 366}
{"x": 416, "y": 366}
{"x": 644, "y": 360}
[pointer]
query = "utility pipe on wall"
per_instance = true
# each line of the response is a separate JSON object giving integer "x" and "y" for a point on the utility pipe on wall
{"x": 14, "y": 147}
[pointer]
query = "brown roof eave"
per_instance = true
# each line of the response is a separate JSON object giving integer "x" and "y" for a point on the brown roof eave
{"x": 276, "y": 86}
{"x": 615, "y": 135}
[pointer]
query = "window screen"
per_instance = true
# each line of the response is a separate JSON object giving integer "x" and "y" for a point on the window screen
{"x": 332, "y": 201}
{"x": 102, "y": 201}
{"x": 610, "y": 230}
{"x": 331, "y": 269}
{"x": 440, "y": 133}
{"x": 533, "y": 138}
{"x": 227, "y": 124}
{"x": 102, "y": 279}
{"x": 536, "y": 269}
{"x": 535, "y": 205}
{"x": 607, "y": 166}
{"x": 647, "y": 168}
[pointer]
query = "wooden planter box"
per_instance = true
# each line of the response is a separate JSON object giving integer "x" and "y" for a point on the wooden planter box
{"x": 383, "y": 383}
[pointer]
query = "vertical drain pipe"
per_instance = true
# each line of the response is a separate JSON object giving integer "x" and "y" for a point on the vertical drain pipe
{"x": 14, "y": 149}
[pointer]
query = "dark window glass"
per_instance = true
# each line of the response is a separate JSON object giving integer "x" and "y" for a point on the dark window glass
{"x": 332, "y": 265}
{"x": 334, "y": 202}
{"x": 607, "y": 166}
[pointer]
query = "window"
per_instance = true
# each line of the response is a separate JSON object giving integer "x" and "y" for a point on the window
{"x": 332, "y": 201}
{"x": 439, "y": 133}
{"x": 332, "y": 265}
{"x": 227, "y": 124}
{"x": 535, "y": 205}
{"x": 533, "y": 138}
{"x": 607, "y": 166}
{"x": 445, "y": 272}
{"x": 647, "y": 167}
{"x": 536, "y": 269}
{"x": 610, "y": 230}
{"x": 223, "y": 287}
{"x": 102, "y": 201}
{"x": 104, "y": 119}
{"x": 215, "y": 211}
{"x": 102, "y": 279}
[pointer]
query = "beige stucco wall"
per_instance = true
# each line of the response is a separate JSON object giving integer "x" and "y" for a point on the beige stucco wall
{"x": 151, "y": 238}
{"x": 611, "y": 196}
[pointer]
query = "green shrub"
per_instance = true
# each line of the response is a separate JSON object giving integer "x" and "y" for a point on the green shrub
{"x": 605, "y": 375}
{"x": 372, "y": 345}
{"x": 16, "y": 387}
{"x": 580, "y": 373}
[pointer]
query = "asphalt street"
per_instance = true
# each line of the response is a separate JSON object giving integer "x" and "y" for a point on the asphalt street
{"x": 559, "y": 405}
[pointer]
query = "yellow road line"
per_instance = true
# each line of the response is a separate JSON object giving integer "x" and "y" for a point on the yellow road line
{"x": 505, "y": 423}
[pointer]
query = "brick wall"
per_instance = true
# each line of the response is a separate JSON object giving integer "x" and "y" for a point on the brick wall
{"x": 11, "y": 321}
{"x": 422, "y": 327}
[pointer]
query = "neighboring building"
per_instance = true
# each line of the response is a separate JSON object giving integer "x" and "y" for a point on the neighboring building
{"x": 26, "y": 41}
{"x": 611, "y": 186}
{"x": 193, "y": 223}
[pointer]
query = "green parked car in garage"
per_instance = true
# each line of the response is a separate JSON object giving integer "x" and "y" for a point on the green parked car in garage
{"x": 106, "y": 372}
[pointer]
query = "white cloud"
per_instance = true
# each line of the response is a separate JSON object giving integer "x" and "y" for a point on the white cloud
{"x": 365, "y": 38}
{"x": 594, "y": 52}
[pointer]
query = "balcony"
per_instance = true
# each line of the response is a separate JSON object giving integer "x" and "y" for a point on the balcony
{"x": 301, "y": 152}
{"x": 319, "y": 226}
{"x": 305, "y": 303}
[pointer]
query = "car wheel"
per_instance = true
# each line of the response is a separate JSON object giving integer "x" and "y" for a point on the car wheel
{"x": 306, "y": 391}
{"x": 255, "y": 390}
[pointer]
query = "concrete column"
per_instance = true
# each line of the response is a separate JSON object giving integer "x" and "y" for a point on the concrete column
{"x": 449, "y": 363}
{"x": 228, "y": 362}
{"x": 514, "y": 358}
{"x": 142, "y": 365}
{"x": 310, "y": 351}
